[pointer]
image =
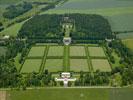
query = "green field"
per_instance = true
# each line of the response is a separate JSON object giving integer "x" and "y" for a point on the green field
{"x": 118, "y": 12}
{"x": 77, "y": 51}
{"x": 37, "y": 51}
{"x": 78, "y": 65}
{"x": 128, "y": 43}
{"x": 125, "y": 35}
{"x": 96, "y": 52}
{"x": 54, "y": 65}
{"x": 72, "y": 94}
{"x": 101, "y": 64}
{"x": 31, "y": 65}
{"x": 12, "y": 30}
{"x": 56, "y": 51}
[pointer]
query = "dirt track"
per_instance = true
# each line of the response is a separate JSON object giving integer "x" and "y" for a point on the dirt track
{"x": 2, "y": 95}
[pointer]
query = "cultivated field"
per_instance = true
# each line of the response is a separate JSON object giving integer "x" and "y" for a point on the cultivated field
{"x": 77, "y": 51}
{"x": 96, "y": 52}
{"x": 125, "y": 35}
{"x": 78, "y": 65}
{"x": 101, "y": 64}
{"x": 72, "y": 94}
{"x": 118, "y": 12}
{"x": 56, "y": 51}
{"x": 128, "y": 43}
{"x": 54, "y": 65}
{"x": 37, "y": 51}
{"x": 31, "y": 65}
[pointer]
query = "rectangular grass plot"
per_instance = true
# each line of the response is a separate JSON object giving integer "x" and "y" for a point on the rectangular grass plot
{"x": 54, "y": 65}
{"x": 77, "y": 51}
{"x": 56, "y": 51}
{"x": 96, "y": 52}
{"x": 37, "y": 51}
{"x": 31, "y": 65}
{"x": 101, "y": 64}
{"x": 78, "y": 65}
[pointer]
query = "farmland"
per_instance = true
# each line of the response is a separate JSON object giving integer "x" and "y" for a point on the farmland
{"x": 72, "y": 94}
{"x": 119, "y": 13}
{"x": 128, "y": 43}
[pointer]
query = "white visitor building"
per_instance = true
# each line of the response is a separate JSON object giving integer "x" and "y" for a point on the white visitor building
{"x": 65, "y": 77}
{"x": 67, "y": 40}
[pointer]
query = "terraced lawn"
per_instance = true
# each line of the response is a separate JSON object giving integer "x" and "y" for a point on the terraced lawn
{"x": 101, "y": 64}
{"x": 77, "y": 51}
{"x": 96, "y": 52}
{"x": 78, "y": 65}
{"x": 31, "y": 65}
{"x": 54, "y": 65}
{"x": 37, "y": 51}
{"x": 56, "y": 51}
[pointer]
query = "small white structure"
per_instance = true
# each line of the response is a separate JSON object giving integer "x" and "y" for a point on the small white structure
{"x": 67, "y": 40}
{"x": 65, "y": 77}
{"x": 6, "y": 37}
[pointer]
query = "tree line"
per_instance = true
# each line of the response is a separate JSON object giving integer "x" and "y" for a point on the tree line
{"x": 15, "y": 10}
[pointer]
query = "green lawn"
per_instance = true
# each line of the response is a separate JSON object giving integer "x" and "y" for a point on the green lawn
{"x": 96, "y": 52}
{"x": 78, "y": 65}
{"x": 37, "y": 51}
{"x": 101, "y": 64}
{"x": 17, "y": 64}
{"x": 54, "y": 65}
{"x": 56, "y": 51}
{"x": 12, "y": 30}
{"x": 77, "y": 51}
{"x": 2, "y": 50}
{"x": 71, "y": 94}
{"x": 31, "y": 65}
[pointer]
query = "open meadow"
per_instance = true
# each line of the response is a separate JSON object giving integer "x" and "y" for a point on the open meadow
{"x": 72, "y": 94}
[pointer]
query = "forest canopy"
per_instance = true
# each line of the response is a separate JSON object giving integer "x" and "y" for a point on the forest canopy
{"x": 49, "y": 26}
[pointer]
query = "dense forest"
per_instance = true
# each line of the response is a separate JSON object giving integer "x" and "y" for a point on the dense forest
{"x": 15, "y": 10}
{"x": 49, "y": 26}
{"x": 1, "y": 26}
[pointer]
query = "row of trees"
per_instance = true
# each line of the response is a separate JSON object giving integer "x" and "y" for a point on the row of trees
{"x": 1, "y": 27}
{"x": 93, "y": 79}
{"x": 126, "y": 55}
{"x": 15, "y": 10}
